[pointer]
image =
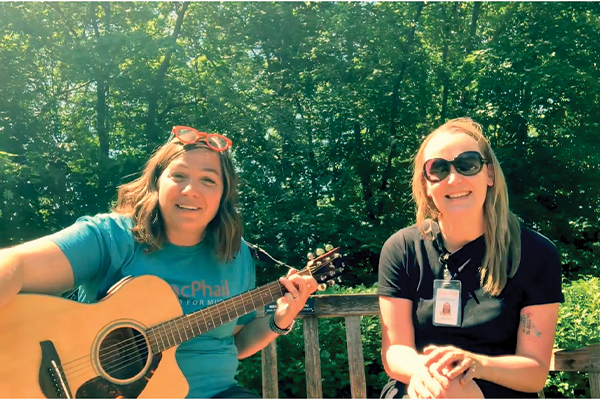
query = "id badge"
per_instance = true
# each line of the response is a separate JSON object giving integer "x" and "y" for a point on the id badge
{"x": 446, "y": 304}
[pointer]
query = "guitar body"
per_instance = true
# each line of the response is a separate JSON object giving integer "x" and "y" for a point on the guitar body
{"x": 101, "y": 348}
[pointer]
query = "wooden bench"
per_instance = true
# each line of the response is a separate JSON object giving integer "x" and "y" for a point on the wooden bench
{"x": 351, "y": 308}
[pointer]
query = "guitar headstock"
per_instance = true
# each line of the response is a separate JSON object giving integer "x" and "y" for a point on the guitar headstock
{"x": 325, "y": 266}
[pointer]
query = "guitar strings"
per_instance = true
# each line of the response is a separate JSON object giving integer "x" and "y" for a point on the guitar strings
{"x": 195, "y": 320}
{"x": 168, "y": 335}
{"x": 124, "y": 361}
{"x": 132, "y": 344}
{"x": 177, "y": 324}
{"x": 221, "y": 306}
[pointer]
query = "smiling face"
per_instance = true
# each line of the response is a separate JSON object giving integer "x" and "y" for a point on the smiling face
{"x": 446, "y": 308}
{"x": 457, "y": 196}
{"x": 189, "y": 195}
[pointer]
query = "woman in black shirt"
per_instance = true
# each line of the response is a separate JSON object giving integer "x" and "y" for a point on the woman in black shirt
{"x": 469, "y": 296}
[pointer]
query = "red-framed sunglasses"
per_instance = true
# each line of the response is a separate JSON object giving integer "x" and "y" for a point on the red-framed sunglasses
{"x": 188, "y": 135}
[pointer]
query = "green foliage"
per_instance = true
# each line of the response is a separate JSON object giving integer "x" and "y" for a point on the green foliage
{"x": 578, "y": 326}
{"x": 326, "y": 103}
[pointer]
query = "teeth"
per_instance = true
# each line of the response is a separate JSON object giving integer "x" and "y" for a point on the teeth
{"x": 187, "y": 208}
{"x": 456, "y": 195}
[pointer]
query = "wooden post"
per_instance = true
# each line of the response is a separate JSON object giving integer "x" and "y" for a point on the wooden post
{"x": 270, "y": 382}
{"x": 358, "y": 382}
{"x": 595, "y": 384}
{"x": 312, "y": 364}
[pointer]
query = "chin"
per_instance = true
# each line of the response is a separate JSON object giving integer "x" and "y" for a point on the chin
{"x": 462, "y": 210}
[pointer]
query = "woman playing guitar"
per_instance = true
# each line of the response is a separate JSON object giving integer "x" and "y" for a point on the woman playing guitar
{"x": 178, "y": 222}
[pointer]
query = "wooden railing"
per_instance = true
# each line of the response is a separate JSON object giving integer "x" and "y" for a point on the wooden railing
{"x": 351, "y": 308}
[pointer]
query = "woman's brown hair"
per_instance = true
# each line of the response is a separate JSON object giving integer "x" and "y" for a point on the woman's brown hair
{"x": 139, "y": 200}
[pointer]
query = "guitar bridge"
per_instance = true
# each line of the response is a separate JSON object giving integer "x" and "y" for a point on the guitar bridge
{"x": 52, "y": 380}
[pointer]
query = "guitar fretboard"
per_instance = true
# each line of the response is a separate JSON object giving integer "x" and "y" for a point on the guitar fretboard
{"x": 178, "y": 330}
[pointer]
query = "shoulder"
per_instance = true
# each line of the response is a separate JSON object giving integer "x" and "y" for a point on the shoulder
{"x": 243, "y": 257}
{"x": 539, "y": 256}
{"x": 540, "y": 269}
{"x": 536, "y": 244}
{"x": 109, "y": 221}
{"x": 406, "y": 237}
{"x": 400, "y": 247}
{"x": 113, "y": 229}
{"x": 244, "y": 251}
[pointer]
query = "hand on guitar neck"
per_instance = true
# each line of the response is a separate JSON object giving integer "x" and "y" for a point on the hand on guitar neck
{"x": 300, "y": 286}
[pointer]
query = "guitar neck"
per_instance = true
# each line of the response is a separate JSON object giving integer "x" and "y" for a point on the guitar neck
{"x": 186, "y": 327}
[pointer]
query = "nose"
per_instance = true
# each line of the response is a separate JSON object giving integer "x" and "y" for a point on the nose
{"x": 191, "y": 189}
{"x": 454, "y": 175}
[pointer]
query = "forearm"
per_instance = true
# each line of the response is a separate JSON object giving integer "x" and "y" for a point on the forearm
{"x": 253, "y": 337}
{"x": 401, "y": 361}
{"x": 514, "y": 372}
{"x": 10, "y": 276}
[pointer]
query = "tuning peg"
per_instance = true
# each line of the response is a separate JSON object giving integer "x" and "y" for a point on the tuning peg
{"x": 320, "y": 251}
{"x": 331, "y": 282}
{"x": 328, "y": 247}
{"x": 321, "y": 286}
{"x": 310, "y": 256}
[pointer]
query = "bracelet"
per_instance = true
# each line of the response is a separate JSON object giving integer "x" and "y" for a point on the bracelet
{"x": 273, "y": 326}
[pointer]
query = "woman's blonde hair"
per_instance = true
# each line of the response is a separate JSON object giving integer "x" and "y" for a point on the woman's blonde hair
{"x": 139, "y": 200}
{"x": 502, "y": 228}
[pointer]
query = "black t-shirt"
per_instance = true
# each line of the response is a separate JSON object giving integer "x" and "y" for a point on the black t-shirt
{"x": 489, "y": 325}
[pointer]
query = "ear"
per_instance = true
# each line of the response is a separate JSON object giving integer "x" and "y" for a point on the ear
{"x": 491, "y": 172}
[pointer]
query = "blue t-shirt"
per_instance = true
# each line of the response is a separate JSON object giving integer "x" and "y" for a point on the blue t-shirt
{"x": 102, "y": 250}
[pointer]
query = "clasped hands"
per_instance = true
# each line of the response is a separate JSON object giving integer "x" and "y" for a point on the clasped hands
{"x": 298, "y": 287}
{"x": 442, "y": 365}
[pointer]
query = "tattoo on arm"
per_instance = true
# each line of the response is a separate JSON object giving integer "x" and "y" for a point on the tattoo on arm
{"x": 527, "y": 326}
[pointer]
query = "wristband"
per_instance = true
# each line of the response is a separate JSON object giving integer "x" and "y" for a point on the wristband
{"x": 273, "y": 326}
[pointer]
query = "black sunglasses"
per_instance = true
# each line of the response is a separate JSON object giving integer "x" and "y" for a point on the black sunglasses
{"x": 468, "y": 163}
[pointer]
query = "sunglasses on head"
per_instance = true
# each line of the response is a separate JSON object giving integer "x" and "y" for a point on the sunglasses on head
{"x": 468, "y": 163}
{"x": 188, "y": 135}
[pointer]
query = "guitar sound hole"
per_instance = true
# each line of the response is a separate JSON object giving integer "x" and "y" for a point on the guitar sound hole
{"x": 123, "y": 353}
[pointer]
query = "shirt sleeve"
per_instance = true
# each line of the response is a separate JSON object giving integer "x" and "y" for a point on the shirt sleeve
{"x": 92, "y": 245}
{"x": 544, "y": 280}
{"x": 249, "y": 278}
{"x": 393, "y": 277}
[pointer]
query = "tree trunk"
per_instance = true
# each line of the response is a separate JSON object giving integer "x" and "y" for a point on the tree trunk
{"x": 102, "y": 86}
{"x": 464, "y": 98}
{"x": 395, "y": 106}
{"x": 364, "y": 171}
{"x": 152, "y": 132}
{"x": 445, "y": 55}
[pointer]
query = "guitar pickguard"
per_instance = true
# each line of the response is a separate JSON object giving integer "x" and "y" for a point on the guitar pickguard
{"x": 100, "y": 387}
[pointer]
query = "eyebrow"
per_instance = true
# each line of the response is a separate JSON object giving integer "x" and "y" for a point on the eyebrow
{"x": 184, "y": 165}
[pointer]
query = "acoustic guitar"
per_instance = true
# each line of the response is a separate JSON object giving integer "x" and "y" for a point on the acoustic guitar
{"x": 121, "y": 347}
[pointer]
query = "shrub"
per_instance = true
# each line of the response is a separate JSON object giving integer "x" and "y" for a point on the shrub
{"x": 578, "y": 326}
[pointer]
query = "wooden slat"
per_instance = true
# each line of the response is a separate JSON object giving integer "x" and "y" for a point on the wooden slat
{"x": 595, "y": 385}
{"x": 585, "y": 359}
{"x": 313, "y": 359}
{"x": 343, "y": 305}
{"x": 358, "y": 382}
{"x": 270, "y": 383}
